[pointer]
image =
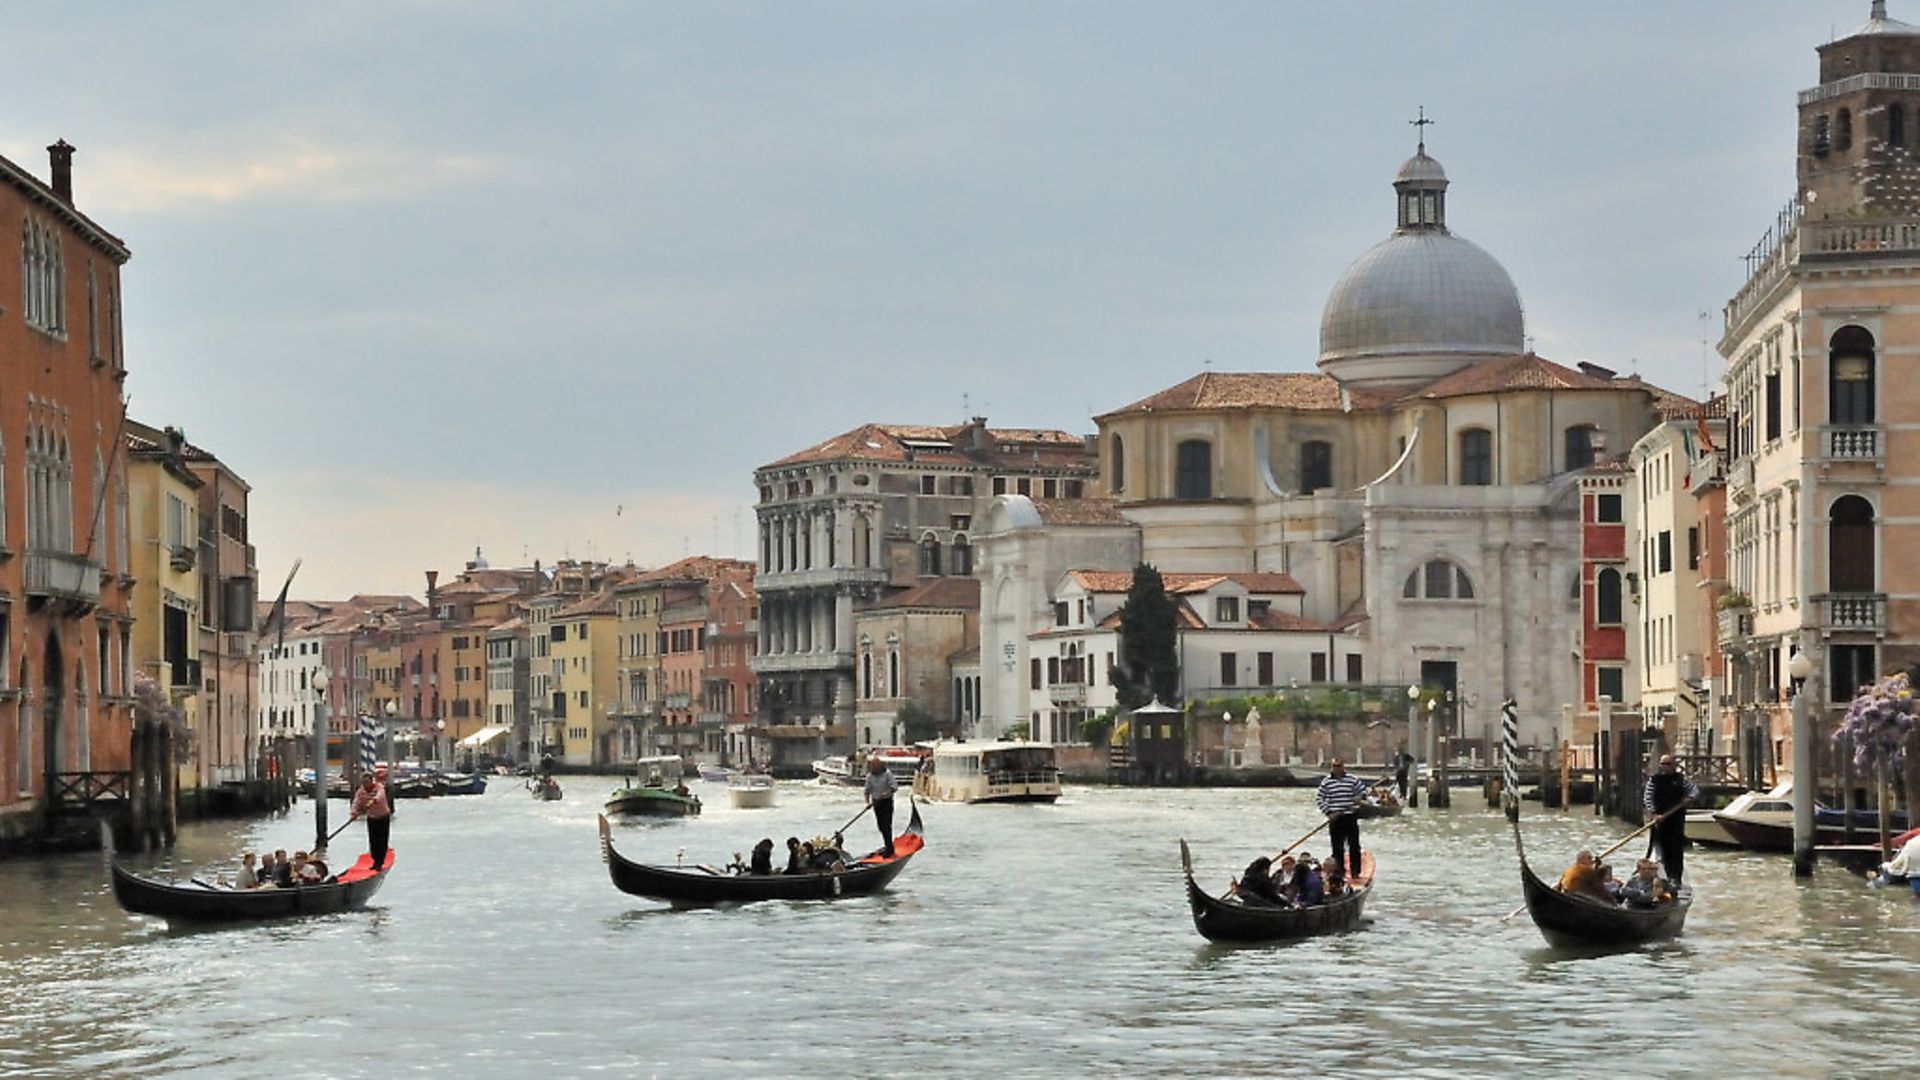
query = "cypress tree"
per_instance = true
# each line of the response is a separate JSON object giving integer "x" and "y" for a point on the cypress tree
{"x": 1149, "y": 664}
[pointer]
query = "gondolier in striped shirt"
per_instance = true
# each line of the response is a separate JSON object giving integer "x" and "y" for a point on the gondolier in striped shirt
{"x": 1667, "y": 792}
{"x": 880, "y": 788}
{"x": 1339, "y": 798}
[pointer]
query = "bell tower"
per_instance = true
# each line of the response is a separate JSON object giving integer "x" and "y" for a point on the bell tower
{"x": 1859, "y": 138}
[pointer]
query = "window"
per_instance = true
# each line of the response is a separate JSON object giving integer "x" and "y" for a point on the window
{"x": 1355, "y": 668}
{"x": 1850, "y": 549}
{"x": 1606, "y": 509}
{"x": 42, "y": 278}
{"x": 1438, "y": 580}
{"x": 1060, "y": 611}
{"x": 1263, "y": 665}
{"x": 1850, "y": 362}
{"x": 962, "y": 557}
{"x": 1663, "y": 552}
{"x": 1773, "y": 406}
{"x": 1050, "y": 488}
{"x": 1257, "y": 609}
{"x": 1024, "y": 485}
{"x": 960, "y": 485}
{"x": 1317, "y": 664}
{"x": 1610, "y": 682}
{"x": 1822, "y": 135}
{"x": 1693, "y": 547}
{"x": 1843, "y": 130}
{"x": 1226, "y": 609}
{"x": 1851, "y": 668}
{"x": 1606, "y": 597}
{"x": 929, "y": 557}
{"x": 1316, "y": 466}
{"x": 999, "y": 485}
{"x": 1476, "y": 457}
{"x": 559, "y": 633}
{"x": 927, "y": 484}
{"x": 1193, "y": 476}
{"x": 1580, "y": 450}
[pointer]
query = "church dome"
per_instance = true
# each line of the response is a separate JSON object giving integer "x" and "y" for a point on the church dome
{"x": 1423, "y": 302}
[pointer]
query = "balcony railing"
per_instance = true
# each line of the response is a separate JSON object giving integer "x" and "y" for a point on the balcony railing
{"x": 677, "y": 701}
{"x": 1736, "y": 623}
{"x": 1740, "y": 480}
{"x": 1853, "y": 442}
{"x": 1852, "y": 611}
{"x": 72, "y": 580}
{"x": 1067, "y": 693}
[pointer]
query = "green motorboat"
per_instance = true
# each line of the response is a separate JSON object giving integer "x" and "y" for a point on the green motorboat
{"x": 658, "y": 790}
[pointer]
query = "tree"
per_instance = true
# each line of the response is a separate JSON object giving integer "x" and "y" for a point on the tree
{"x": 1149, "y": 664}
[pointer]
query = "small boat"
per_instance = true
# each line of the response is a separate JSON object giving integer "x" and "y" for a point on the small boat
{"x": 544, "y": 788}
{"x": 975, "y": 772}
{"x": 715, "y": 774}
{"x": 466, "y": 784}
{"x": 1569, "y": 920}
{"x": 838, "y": 770}
{"x": 1234, "y": 920}
{"x": 657, "y": 791}
{"x": 698, "y": 886}
{"x": 1380, "y": 802}
{"x": 1765, "y": 823}
{"x": 750, "y": 791}
{"x": 199, "y": 903}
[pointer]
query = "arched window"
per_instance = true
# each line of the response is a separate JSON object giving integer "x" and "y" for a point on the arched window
{"x": 962, "y": 556}
{"x": 862, "y": 540}
{"x": 866, "y": 674}
{"x": 1117, "y": 463}
{"x": 1438, "y": 579}
{"x": 1316, "y": 466}
{"x": 930, "y": 556}
{"x": 1850, "y": 546}
{"x": 1850, "y": 376}
{"x": 1843, "y": 130}
{"x": 1822, "y": 140}
{"x": 1896, "y": 124}
{"x": 893, "y": 673}
{"x": 1580, "y": 446}
{"x": 1193, "y": 478}
{"x": 1476, "y": 457}
{"x": 1606, "y": 597}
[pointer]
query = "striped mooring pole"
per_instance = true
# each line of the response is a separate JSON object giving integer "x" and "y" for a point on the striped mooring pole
{"x": 1510, "y": 757}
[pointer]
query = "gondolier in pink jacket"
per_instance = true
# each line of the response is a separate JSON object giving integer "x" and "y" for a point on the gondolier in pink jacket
{"x": 370, "y": 801}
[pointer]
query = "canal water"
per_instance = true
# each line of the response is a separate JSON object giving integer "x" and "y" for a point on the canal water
{"x": 1024, "y": 941}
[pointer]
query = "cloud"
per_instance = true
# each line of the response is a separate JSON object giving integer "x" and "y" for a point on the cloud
{"x": 296, "y": 170}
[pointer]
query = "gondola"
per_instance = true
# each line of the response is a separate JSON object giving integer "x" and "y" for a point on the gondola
{"x": 1233, "y": 921}
{"x": 699, "y": 886}
{"x": 204, "y": 904}
{"x": 1568, "y": 920}
{"x": 544, "y": 788}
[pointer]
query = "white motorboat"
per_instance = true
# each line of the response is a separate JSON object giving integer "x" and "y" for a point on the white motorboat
{"x": 750, "y": 791}
{"x": 838, "y": 769}
{"x": 1771, "y": 810}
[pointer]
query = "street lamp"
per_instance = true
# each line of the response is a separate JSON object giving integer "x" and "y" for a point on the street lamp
{"x": 320, "y": 758}
{"x": 390, "y": 710}
{"x": 1413, "y": 743}
{"x": 1805, "y": 786}
{"x": 439, "y": 733}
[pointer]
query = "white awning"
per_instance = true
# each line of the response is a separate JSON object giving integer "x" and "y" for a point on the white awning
{"x": 485, "y": 735}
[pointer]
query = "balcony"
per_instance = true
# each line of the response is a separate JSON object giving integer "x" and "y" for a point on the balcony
{"x": 1852, "y": 612}
{"x": 820, "y": 577}
{"x": 1740, "y": 480}
{"x": 677, "y": 701}
{"x": 1863, "y": 443}
{"x": 1067, "y": 693}
{"x": 1710, "y": 469}
{"x": 1736, "y": 624}
{"x": 67, "y": 582}
{"x": 181, "y": 557}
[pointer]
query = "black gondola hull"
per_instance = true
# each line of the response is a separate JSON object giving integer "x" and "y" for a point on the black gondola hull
{"x": 194, "y": 904}
{"x": 694, "y": 887}
{"x": 1575, "y": 921}
{"x": 1249, "y": 924}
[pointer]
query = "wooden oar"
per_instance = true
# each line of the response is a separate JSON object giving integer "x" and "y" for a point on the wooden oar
{"x": 1278, "y": 855}
{"x": 1623, "y": 843}
{"x": 322, "y": 846}
{"x": 854, "y": 818}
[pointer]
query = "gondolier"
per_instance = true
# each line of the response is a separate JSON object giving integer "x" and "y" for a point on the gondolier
{"x": 1666, "y": 792}
{"x": 372, "y": 802}
{"x": 880, "y": 788}
{"x": 1340, "y": 797}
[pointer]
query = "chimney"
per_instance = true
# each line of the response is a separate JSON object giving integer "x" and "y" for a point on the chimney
{"x": 981, "y": 440}
{"x": 433, "y": 579}
{"x": 60, "y": 155}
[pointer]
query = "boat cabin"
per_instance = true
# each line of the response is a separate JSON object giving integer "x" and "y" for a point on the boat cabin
{"x": 663, "y": 771}
{"x": 990, "y": 772}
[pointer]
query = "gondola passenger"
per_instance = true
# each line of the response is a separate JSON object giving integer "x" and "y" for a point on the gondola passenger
{"x": 762, "y": 857}
{"x": 796, "y": 856}
{"x": 1283, "y": 881}
{"x": 1256, "y": 883}
{"x": 1336, "y": 878}
{"x": 1583, "y": 878}
{"x": 1646, "y": 888}
{"x": 1309, "y": 888}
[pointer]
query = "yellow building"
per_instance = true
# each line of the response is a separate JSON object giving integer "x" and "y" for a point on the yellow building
{"x": 164, "y": 547}
{"x": 584, "y": 663}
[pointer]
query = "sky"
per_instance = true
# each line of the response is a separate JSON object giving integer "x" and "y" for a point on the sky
{"x": 551, "y": 282}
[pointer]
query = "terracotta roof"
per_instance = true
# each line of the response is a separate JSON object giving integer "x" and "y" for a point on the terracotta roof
{"x": 948, "y": 446}
{"x": 1287, "y": 620}
{"x": 694, "y": 568}
{"x": 944, "y": 592}
{"x": 1119, "y": 581}
{"x": 1079, "y": 512}
{"x": 599, "y": 603}
{"x": 1242, "y": 390}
